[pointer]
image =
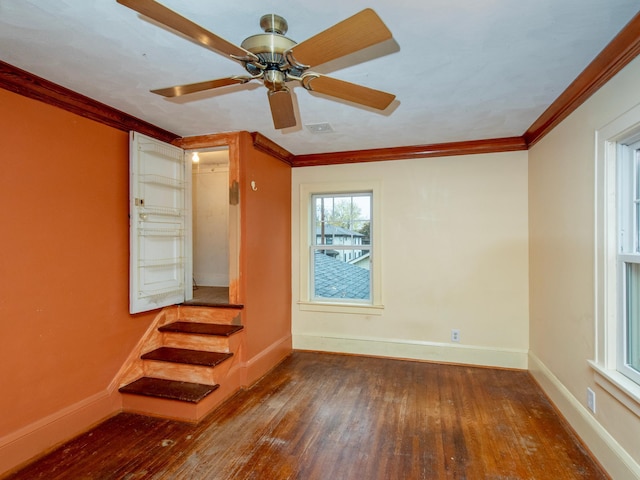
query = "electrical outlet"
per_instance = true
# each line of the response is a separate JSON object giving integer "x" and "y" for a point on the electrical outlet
{"x": 591, "y": 400}
{"x": 455, "y": 335}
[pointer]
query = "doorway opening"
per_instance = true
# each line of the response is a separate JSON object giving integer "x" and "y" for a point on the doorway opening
{"x": 210, "y": 226}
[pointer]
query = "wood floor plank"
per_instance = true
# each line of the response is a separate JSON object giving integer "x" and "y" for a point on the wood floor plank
{"x": 325, "y": 416}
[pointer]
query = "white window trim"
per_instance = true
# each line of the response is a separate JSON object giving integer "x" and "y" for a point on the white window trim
{"x": 606, "y": 303}
{"x": 627, "y": 181}
{"x": 305, "y": 302}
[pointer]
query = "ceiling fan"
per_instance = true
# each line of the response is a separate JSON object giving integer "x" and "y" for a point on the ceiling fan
{"x": 274, "y": 59}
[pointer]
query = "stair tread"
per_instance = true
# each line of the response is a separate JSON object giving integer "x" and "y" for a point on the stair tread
{"x": 196, "y": 303}
{"x": 183, "y": 355}
{"x": 223, "y": 330}
{"x": 169, "y": 389}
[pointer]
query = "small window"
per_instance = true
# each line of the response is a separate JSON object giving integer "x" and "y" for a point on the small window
{"x": 341, "y": 221}
{"x": 340, "y": 247}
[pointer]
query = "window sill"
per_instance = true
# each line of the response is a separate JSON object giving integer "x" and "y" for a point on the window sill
{"x": 620, "y": 387}
{"x": 349, "y": 308}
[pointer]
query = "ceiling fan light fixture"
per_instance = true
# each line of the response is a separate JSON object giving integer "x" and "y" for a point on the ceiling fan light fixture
{"x": 274, "y": 80}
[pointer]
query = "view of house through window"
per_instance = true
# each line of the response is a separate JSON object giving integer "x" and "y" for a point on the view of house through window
{"x": 341, "y": 247}
{"x": 629, "y": 259}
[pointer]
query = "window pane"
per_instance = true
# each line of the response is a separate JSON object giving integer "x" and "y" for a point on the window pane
{"x": 636, "y": 196}
{"x": 342, "y": 219}
{"x": 337, "y": 278}
{"x": 632, "y": 320}
{"x": 342, "y": 225}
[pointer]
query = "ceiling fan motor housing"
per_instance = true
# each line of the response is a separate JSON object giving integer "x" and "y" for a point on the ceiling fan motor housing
{"x": 270, "y": 47}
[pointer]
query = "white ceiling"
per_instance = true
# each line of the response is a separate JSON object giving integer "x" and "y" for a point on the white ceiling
{"x": 461, "y": 69}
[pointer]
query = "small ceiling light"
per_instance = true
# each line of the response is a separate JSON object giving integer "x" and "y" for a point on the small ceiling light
{"x": 195, "y": 158}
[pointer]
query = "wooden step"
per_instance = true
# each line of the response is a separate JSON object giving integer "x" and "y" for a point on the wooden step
{"x": 196, "y": 303}
{"x": 221, "y": 330}
{"x": 183, "y": 355}
{"x": 169, "y": 389}
{"x": 228, "y": 316}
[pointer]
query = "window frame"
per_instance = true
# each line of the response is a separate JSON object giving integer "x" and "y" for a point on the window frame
{"x": 608, "y": 284}
{"x": 306, "y": 299}
{"x": 628, "y": 249}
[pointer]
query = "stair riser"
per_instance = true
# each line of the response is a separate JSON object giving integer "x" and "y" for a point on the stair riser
{"x": 229, "y": 316}
{"x": 187, "y": 373}
{"x": 208, "y": 343}
{"x": 184, "y": 411}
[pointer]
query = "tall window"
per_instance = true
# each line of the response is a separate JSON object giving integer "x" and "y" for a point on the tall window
{"x": 340, "y": 247}
{"x": 628, "y": 259}
{"x": 616, "y": 362}
{"x": 340, "y": 250}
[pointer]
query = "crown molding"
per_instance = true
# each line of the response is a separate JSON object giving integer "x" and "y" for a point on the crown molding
{"x": 24, "y": 83}
{"x": 266, "y": 145}
{"x": 471, "y": 147}
{"x": 614, "y": 57}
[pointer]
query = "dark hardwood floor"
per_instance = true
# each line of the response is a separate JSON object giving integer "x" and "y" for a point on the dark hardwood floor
{"x": 339, "y": 417}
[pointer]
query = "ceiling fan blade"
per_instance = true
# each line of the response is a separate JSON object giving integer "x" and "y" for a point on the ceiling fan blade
{"x": 165, "y": 16}
{"x": 355, "y": 33}
{"x": 179, "y": 90}
{"x": 282, "y": 109}
{"x": 348, "y": 91}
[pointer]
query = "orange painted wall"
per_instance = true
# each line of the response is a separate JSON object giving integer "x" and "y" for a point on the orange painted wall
{"x": 65, "y": 329}
{"x": 266, "y": 256}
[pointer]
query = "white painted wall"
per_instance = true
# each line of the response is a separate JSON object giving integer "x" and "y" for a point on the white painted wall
{"x": 562, "y": 334}
{"x": 211, "y": 225}
{"x": 470, "y": 261}
{"x": 454, "y": 255}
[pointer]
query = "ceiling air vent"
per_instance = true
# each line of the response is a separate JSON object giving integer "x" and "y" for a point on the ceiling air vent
{"x": 319, "y": 127}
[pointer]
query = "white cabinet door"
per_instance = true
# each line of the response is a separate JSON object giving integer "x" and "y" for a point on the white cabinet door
{"x": 160, "y": 222}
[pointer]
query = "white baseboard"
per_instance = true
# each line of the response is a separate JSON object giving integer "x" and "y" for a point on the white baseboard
{"x": 415, "y": 350}
{"x": 41, "y": 436}
{"x": 614, "y": 458}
